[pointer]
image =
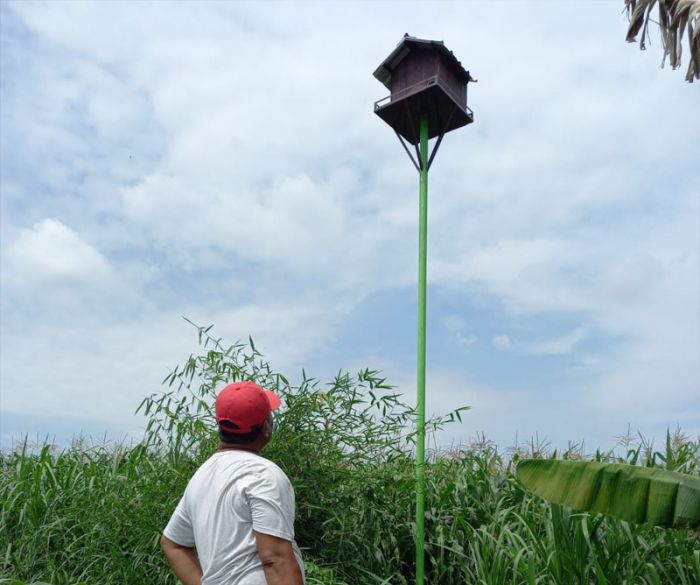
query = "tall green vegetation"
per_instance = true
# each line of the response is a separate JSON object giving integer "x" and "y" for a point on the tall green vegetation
{"x": 93, "y": 514}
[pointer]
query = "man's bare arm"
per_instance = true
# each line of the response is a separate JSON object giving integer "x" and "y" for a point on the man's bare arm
{"x": 278, "y": 560}
{"x": 183, "y": 561}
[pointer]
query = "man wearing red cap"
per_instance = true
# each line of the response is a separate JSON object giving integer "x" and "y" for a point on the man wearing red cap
{"x": 235, "y": 523}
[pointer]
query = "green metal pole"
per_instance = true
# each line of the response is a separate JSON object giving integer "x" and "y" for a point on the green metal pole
{"x": 420, "y": 422}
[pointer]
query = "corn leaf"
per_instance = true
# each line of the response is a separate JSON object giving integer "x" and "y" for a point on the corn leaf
{"x": 635, "y": 494}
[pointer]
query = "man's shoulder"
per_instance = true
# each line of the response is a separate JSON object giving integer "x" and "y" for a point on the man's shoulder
{"x": 237, "y": 468}
{"x": 246, "y": 462}
{"x": 263, "y": 472}
{"x": 271, "y": 468}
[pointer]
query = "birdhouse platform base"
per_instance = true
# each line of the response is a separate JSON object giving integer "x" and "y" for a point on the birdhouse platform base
{"x": 403, "y": 112}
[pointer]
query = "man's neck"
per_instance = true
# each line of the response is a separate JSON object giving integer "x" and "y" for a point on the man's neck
{"x": 231, "y": 447}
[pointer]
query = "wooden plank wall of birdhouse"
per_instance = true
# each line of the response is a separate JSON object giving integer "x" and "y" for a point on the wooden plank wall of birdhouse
{"x": 420, "y": 64}
{"x": 452, "y": 79}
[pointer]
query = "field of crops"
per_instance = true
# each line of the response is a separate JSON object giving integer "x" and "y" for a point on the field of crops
{"x": 93, "y": 514}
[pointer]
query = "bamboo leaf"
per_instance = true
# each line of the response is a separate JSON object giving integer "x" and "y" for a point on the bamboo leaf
{"x": 635, "y": 494}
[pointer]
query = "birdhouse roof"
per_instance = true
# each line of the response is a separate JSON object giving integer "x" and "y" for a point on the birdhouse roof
{"x": 384, "y": 72}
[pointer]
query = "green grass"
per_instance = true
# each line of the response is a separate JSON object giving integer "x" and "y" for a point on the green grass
{"x": 93, "y": 514}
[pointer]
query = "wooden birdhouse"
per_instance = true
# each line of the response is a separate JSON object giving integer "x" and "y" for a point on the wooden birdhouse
{"x": 424, "y": 77}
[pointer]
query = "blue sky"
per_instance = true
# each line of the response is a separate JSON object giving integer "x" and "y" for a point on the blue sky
{"x": 221, "y": 161}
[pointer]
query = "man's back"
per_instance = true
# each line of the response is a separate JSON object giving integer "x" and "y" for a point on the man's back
{"x": 234, "y": 494}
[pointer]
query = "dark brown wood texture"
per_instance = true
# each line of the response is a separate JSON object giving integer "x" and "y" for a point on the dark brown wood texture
{"x": 424, "y": 77}
{"x": 420, "y": 64}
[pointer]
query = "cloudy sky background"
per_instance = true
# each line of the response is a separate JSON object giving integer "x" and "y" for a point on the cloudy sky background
{"x": 221, "y": 161}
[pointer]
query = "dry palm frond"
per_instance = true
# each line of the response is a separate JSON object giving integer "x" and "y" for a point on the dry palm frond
{"x": 675, "y": 18}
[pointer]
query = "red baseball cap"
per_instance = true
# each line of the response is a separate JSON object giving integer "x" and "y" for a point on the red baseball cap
{"x": 243, "y": 405}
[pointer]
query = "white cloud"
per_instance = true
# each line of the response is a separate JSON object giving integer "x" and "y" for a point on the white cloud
{"x": 455, "y": 325}
{"x": 508, "y": 416}
{"x": 453, "y": 322}
{"x": 559, "y": 345}
{"x": 466, "y": 340}
{"x": 51, "y": 254}
{"x": 275, "y": 224}
{"x": 563, "y": 344}
{"x": 234, "y": 172}
{"x": 100, "y": 369}
{"x": 500, "y": 341}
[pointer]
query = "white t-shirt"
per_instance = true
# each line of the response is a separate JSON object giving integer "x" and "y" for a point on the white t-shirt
{"x": 233, "y": 493}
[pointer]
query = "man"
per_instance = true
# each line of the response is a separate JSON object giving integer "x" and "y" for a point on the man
{"x": 235, "y": 523}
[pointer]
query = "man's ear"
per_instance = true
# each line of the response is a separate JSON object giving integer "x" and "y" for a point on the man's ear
{"x": 267, "y": 429}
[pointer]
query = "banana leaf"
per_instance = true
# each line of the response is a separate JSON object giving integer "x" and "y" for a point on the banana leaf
{"x": 635, "y": 494}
